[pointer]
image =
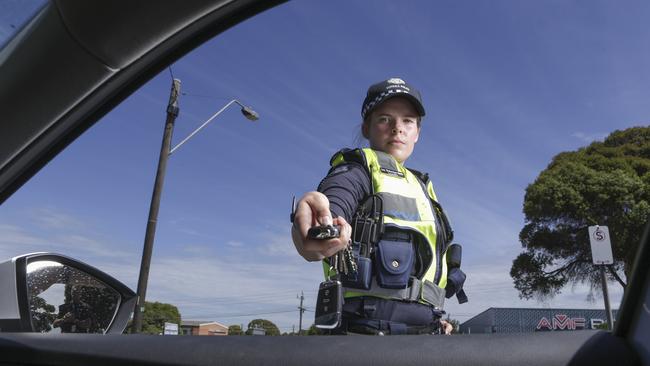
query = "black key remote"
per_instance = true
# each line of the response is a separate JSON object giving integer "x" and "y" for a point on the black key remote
{"x": 329, "y": 305}
{"x": 324, "y": 232}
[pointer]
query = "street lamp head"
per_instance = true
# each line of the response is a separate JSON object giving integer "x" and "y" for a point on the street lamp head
{"x": 249, "y": 113}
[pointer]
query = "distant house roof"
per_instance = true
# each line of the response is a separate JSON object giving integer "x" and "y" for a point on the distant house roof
{"x": 196, "y": 323}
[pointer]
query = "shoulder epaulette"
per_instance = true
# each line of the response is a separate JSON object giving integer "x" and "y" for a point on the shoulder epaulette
{"x": 349, "y": 156}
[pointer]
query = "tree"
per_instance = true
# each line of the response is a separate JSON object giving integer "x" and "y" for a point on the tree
{"x": 268, "y": 326}
{"x": 156, "y": 314}
{"x": 235, "y": 330}
{"x": 605, "y": 183}
{"x": 42, "y": 314}
{"x": 314, "y": 331}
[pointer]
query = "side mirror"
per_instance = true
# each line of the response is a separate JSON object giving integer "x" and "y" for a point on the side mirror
{"x": 52, "y": 293}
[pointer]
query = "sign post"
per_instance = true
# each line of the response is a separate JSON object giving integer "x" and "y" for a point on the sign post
{"x": 601, "y": 253}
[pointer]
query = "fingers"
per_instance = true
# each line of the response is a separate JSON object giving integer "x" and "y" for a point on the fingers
{"x": 323, "y": 248}
{"x": 446, "y": 327}
{"x": 327, "y": 248}
{"x": 319, "y": 206}
{"x": 344, "y": 227}
{"x": 314, "y": 209}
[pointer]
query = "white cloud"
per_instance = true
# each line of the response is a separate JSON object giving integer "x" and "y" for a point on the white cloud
{"x": 49, "y": 218}
{"x": 198, "y": 249}
{"x": 279, "y": 245}
{"x": 217, "y": 288}
{"x": 234, "y": 243}
{"x": 490, "y": 285}
{"x": 264, "y": 282}
{"x": 55, "y": 232}
{"x": 86, "y": 244}
{"x": 202, "y": 283}
{"x": 14, "y": 236}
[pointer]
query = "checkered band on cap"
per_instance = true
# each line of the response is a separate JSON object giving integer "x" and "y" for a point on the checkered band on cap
{"x": 380, "y": 97}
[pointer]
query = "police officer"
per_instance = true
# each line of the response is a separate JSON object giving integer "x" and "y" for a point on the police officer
{"x": 400, "y": 231}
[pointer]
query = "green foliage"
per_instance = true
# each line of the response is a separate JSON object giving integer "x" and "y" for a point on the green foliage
{"x": 603, "y": 326}
{"x": 156, "y": 314}
{"x": 605, "y": 183}
{"x": 268, "y": 326}
{"x": 42, "y": 314}
{"x": 235, "y": 330}
{"x": 314, "y": 331}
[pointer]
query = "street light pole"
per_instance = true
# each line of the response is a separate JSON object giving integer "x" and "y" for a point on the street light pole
{"x": 172, "y": 113}
{"x": 246, "y": 111}
{"x": 165, "y": 152}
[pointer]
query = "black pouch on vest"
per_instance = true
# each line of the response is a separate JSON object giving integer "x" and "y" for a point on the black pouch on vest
{"x": 455, "y": 281}
{"x": 394, "y": 263}
{"x": 363, "y": 278}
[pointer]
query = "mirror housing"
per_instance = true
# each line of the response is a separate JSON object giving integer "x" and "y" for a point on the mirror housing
{"x": 24, "y": 278}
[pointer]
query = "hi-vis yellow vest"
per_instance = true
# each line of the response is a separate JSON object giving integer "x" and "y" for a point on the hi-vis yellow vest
{"x": 408, "y": 204}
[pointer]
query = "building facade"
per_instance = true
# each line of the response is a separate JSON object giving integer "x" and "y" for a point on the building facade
{"x": 518, "y": 320}
{"x": 197, "y": 327}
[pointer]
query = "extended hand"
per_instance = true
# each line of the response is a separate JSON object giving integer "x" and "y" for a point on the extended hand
{"x": 314, "y": 209}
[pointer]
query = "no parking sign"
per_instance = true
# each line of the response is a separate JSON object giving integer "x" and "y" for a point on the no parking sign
{"x": 601, "y": 246}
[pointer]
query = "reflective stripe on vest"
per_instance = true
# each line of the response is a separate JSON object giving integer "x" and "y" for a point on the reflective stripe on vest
{"x": 407, "y": 205}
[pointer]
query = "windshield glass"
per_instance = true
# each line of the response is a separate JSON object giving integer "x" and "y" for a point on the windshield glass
{"x": 507, "y": 86}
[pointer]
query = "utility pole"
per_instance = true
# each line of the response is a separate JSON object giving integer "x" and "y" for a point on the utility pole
{"x": 302, "y": 310}
{"x": 172, "y": 113}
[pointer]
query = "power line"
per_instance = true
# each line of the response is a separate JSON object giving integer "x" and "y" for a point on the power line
{"x": 249, "y": 301}
{"x": 240, "y": 315}
{"x": 245, "y": 297}
{"x": 203, "y": 96}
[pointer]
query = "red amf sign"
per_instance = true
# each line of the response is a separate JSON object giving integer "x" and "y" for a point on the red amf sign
{"x": 561, "y": 322}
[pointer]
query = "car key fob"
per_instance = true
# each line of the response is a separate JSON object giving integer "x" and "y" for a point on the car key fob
{"x": 324, "y": 232}
{"x": 329, "y": 305}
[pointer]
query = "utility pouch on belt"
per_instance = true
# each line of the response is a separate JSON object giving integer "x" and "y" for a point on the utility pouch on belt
{"x": 394, "y": 262}
{"x": 455, "y": 276}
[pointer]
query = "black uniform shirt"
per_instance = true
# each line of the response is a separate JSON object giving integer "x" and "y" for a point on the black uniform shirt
{"x": 345, "y": 186}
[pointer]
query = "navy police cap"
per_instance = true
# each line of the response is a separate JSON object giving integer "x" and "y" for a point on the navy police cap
{"x": 393, "y": 87}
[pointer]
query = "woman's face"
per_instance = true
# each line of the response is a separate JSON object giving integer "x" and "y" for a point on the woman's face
{"x": 393, "y": 128}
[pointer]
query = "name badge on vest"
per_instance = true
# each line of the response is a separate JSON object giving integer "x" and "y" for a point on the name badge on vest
{"x": 392, "y": 172}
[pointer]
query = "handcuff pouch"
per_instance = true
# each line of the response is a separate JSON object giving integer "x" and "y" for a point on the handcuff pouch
{"x": 394, "y": 262}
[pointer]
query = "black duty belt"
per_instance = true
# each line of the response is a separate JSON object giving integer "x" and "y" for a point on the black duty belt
{"x": 369, "y": 315}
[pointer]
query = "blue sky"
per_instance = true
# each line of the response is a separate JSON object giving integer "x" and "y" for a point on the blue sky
{"x": 506, "y": 84}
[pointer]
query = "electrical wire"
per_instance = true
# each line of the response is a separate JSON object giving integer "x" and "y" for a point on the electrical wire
{"x": 259, "y": 296}
{"x": 221, "y": 316}
{"x": 203, "y": 96}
